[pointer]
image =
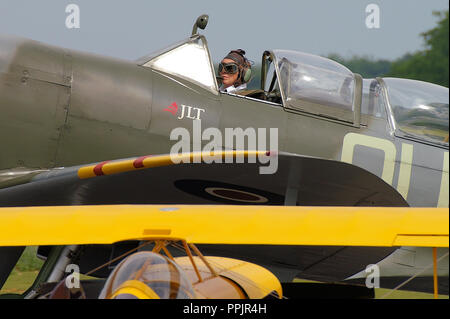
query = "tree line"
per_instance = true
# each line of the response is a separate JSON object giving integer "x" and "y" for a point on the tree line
{"x": 429, "y": 64}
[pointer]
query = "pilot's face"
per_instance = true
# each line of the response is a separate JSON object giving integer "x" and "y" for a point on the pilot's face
{"x": 228, "y": 79}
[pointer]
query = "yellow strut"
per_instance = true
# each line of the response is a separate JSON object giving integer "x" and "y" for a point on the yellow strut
{"x": 435, "y": 279}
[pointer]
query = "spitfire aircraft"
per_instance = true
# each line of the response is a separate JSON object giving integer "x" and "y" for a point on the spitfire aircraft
{"x": 340, "y": 140}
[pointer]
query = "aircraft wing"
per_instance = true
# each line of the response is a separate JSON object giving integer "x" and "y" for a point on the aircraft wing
{"x": 229, "y": 225}
{"x": 298, "y": 180}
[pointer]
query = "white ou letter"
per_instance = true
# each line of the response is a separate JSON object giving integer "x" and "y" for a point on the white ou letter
{"x": 373, "y": 19}
{"x": 73, "y": 280}
{"x": 373, "y": 277}
{"x": 73, "y": 19}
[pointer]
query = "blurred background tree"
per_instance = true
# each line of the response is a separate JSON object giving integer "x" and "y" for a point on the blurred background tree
{"x": 430, "y": 64}
{"x": 364, "y": 65}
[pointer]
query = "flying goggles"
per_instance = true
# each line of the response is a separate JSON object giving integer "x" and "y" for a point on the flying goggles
{"x": 229, "y": 68}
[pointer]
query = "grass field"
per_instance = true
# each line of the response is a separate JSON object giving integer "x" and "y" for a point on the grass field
{"x": 25, "y": 272}
{"x": 28, "y": 267}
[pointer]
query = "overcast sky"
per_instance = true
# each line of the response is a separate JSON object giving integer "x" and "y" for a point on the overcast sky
{"x": 131, "y": 29}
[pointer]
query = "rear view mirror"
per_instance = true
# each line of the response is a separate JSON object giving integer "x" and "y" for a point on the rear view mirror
{"x": 201, "y": 23}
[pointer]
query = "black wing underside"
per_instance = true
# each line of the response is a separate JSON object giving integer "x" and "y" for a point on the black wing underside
{"x": 299, "y": 180}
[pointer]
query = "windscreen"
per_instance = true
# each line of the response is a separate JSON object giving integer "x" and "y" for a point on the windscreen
{"x": 158, "y": 273}
{"x": 189, "y": 60}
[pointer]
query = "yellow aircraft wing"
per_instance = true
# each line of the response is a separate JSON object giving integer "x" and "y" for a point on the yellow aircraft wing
{"x": 212, "y": 224}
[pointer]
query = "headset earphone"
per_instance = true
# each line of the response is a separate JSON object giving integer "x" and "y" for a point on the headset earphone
{"x": 246, "y": 71}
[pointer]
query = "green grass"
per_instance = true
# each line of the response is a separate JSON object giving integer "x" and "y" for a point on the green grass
{"x": 24, "y": 273}
{"x": 19, "y": 281}
{"x": 28, "y": 261}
